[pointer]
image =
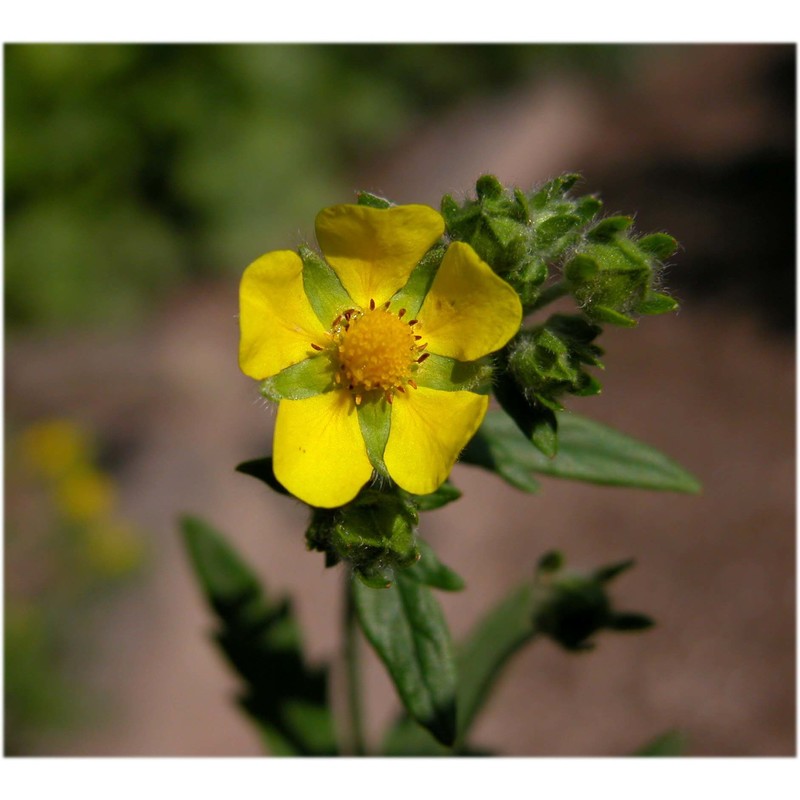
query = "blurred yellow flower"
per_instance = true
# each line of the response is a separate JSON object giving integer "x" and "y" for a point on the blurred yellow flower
{"x": 52, "y": 447}
{"x": 85, "y": 494}
{"x": 361, "y": 348}
{"x": 112, "y": 548}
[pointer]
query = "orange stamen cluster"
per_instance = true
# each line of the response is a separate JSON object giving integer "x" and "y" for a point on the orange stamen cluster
{"x": 376, "y": 350}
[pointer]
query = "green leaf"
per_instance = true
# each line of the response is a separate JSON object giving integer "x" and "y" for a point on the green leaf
{"x": 536, "y": 422}
{"x": 480, "y": 661}
{"x": 405, "y": 625}
{"x": 502, "y": 632}
{"x": 262, "y": 641}
{"x": 587, "y": 451}
{"x": 609, "y": 228}
{"x": 430, "y": 571}
{"x": 262, "y": 469}
{"x": 671, "y": 743}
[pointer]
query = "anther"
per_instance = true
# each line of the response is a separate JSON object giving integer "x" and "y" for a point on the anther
{"x": 371, "y": 305}
{"x": 417, "y": 337}
{"x": 389, "y": 397}
{"x": 412, "y": 383}
{"x": 413, "y": 322}
{"x": 400, "y": 313}
{"x": 316, "y": 346}
{"x": 386, "y": 305}
{"x": 401, "y": 389}
{"x": 422, "y": 358}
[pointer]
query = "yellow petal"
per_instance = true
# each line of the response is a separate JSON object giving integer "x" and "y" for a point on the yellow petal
{"x": 276, "y": 320}
{"x": 429, "y": 429}
{"x": 318, "y": 451}
{"x": 469, "y": 311}
{"x": 374, "y": 250}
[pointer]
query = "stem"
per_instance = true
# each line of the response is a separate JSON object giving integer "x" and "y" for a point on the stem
{"x": 352, "y": 666}
{"x": 550, "y": 294}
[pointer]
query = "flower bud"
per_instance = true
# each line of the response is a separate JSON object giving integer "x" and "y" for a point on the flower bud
{"x": 571, "y": 607}
{"x": 376, "y": 534}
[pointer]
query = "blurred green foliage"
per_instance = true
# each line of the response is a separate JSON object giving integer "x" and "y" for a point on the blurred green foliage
{"x": 130, "y": 168}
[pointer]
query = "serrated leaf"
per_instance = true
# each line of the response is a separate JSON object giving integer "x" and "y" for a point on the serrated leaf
{"x": 430, "y": 571}
{"x": 262, "y": 469}
{"x": 262, "y": 641}
{"x": 587, "y": 451}
{"x": 405, "y": 625}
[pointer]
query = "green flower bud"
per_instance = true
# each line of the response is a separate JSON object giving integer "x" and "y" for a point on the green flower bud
{"x": 547, "y": 361}
{"x": 571, "y": 607}
{"x": 375, "y": 534}
{"x": 613, "y": 276}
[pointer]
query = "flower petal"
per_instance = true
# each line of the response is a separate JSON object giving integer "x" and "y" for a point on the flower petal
{"x": 469, "y": 311}
{"x": 318, "y": 451}
{"x": 374, "y": 250}
{"x": 429, "y": 430}
{"x": 276, "y": 320}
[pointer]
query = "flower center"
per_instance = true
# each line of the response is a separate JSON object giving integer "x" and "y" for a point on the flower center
{"x": 376, "y": 350}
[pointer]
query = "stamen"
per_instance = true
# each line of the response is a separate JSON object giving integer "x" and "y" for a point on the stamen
{"x": 401, "y": 389}
{"x": 417, "y": 337}
{"x": 386, "y": 305}
{"x": 422, "y": 358}
{"x": 389, "y": 397}
{"x": 412, "y": 383}
{"x": 371, "y": 305}
{"x": 400, "y": 313}
{"x": 316, "y": 346}
{"x": 413, "y": 322}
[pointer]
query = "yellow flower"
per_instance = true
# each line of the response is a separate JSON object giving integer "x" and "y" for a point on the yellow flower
{"x": 373, "y": 353}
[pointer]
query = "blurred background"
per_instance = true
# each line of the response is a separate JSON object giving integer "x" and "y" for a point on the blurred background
{"x": 141, "y": 179}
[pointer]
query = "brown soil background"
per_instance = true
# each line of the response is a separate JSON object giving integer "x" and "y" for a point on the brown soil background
{"x": 713, "y": 386}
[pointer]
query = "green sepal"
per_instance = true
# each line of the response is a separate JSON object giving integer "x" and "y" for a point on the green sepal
{"x": 657, "y": 303}
{"x": 587, "y": 451}
{"x": 308, "y": 378}
{"x": 581, "y": 268}
{"x": 412, "y": 295}
{"x": 451, "y": 375}
{"x": 445, "y": 494}
{"x": 608, "y": 572}
{"x": 375, "y": 421}
{"x": 609, "y": 315}
{"x": 406, "y": 627}
{"x": 372, "y": 200}
{"x": 630, "y": 621}
{"x": 287, "y": 699}
{"x": 376, "y": 534}
{"x": 262, "y": 469}
{"x": 609, "y": 228}
{"x": 658, "y": 245}
{"x": 430, "y": 571}
{"x": 323, "y": 288}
